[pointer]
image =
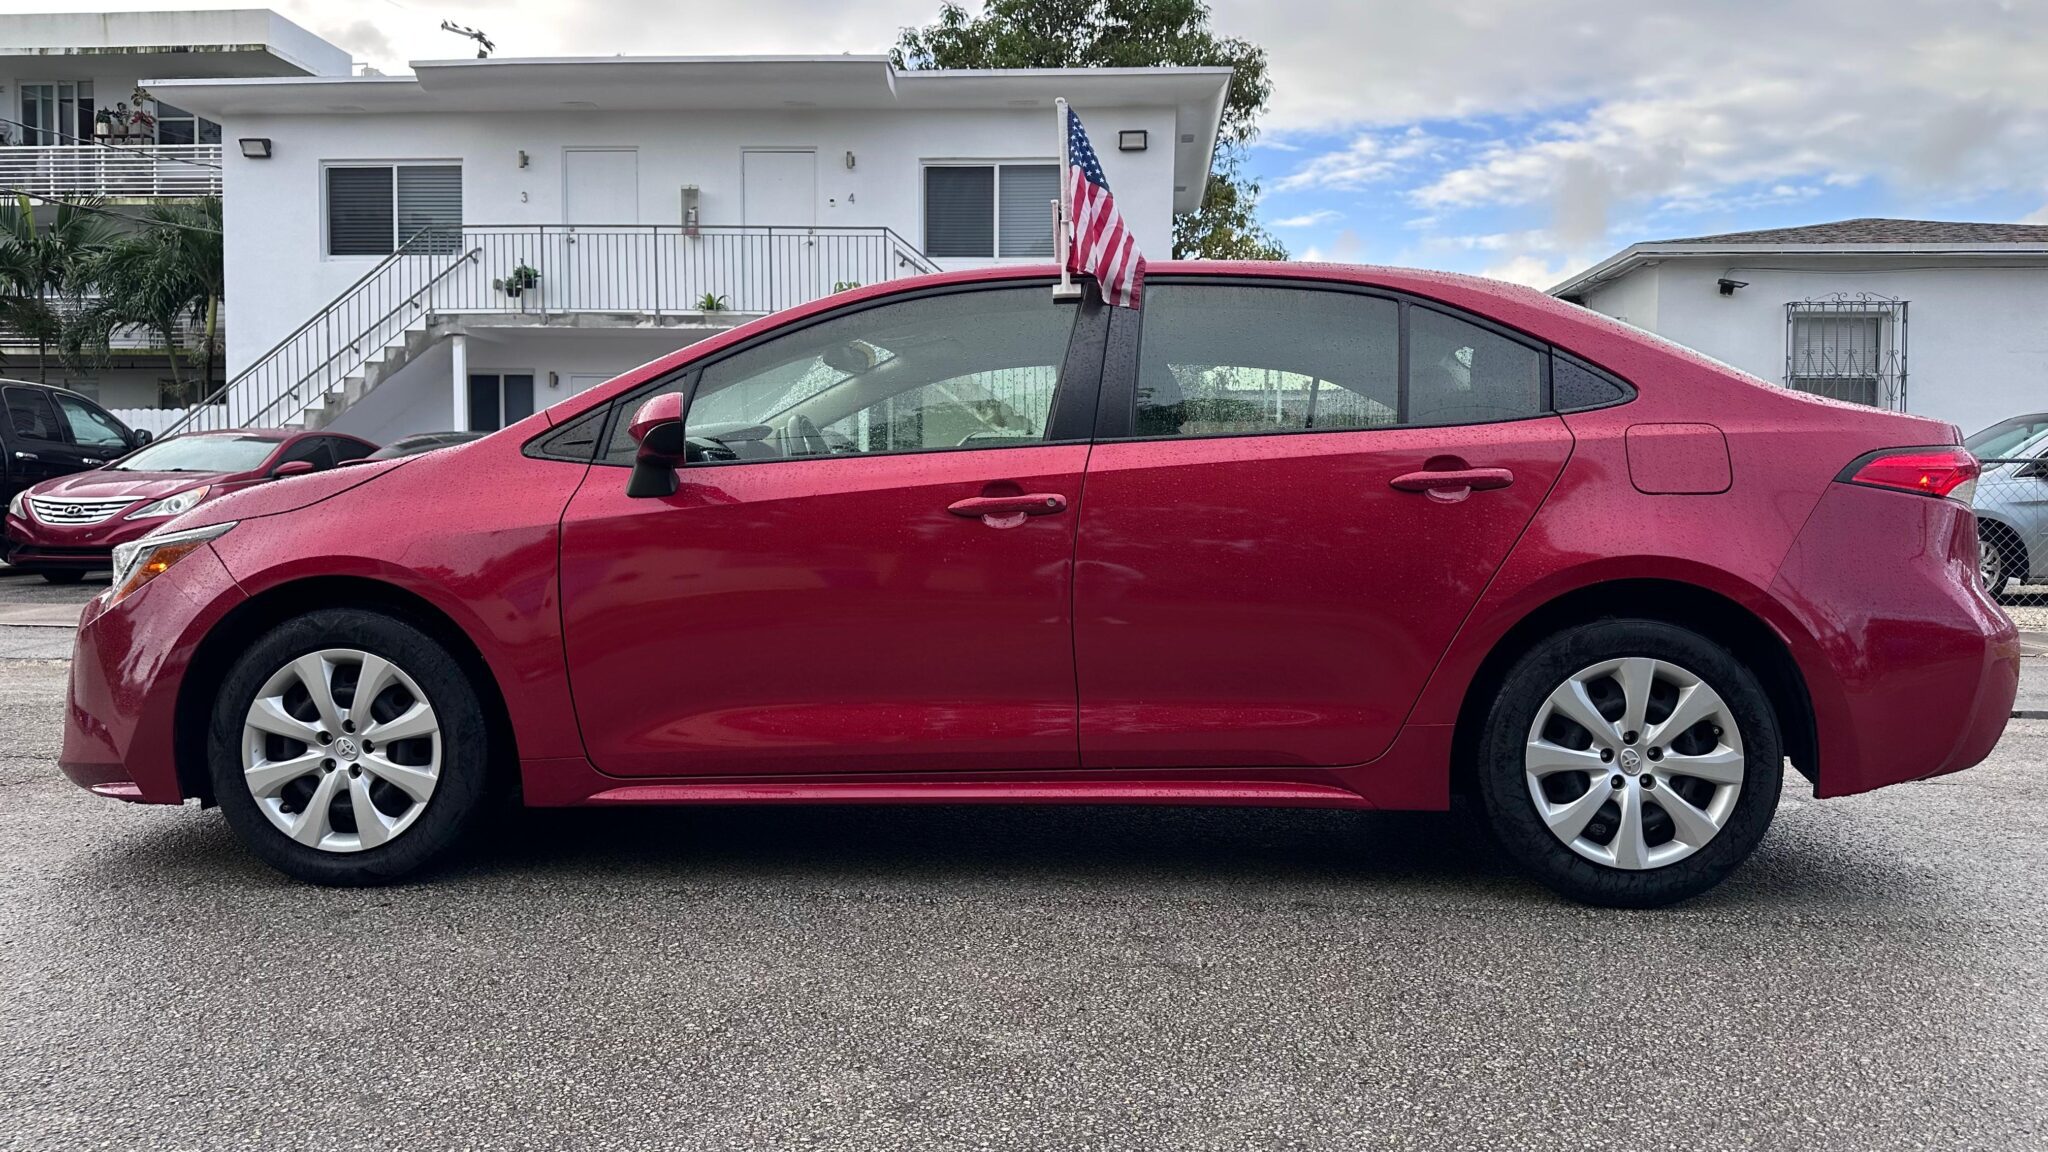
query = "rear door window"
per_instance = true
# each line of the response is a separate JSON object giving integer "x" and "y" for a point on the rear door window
{"x": 1251, "y": 359}
{"x": 30, "y": 415}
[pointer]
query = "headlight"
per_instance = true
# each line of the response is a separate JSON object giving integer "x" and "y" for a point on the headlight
{"x": 177, "y": 505}
{"x": 17, "y": 504}
{"x": 139, "y": 561}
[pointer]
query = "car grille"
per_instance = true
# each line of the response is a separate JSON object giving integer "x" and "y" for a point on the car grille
{"x": 51, "y": 511}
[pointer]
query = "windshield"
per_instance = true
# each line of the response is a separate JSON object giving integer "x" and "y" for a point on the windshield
{"x": 1995, "y": 442}
{"x": 207, "y": 453}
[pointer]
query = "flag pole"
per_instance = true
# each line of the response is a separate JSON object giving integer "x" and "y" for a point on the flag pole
{"x": 1063, "y": 237}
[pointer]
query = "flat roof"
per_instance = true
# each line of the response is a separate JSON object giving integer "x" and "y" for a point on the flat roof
{"x": 238, "y": 42}
{"x": 726, "y": 83}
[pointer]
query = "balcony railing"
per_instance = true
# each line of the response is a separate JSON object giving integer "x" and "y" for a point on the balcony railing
{"x": 663, "y": 270}
{"x": 137, "y": 170}
{"x": 635, "y": 272}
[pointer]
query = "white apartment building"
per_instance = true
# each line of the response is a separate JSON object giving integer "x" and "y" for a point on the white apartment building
{"x": 70, "y": 129}
{"x": 458, "y": 247}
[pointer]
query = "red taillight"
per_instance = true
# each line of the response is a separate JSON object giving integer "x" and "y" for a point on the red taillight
{"x": 1944, "y": 471}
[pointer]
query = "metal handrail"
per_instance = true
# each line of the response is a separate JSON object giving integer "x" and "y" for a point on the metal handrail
{"x": 410, "y": 301}
{"x": 341, "y": 300}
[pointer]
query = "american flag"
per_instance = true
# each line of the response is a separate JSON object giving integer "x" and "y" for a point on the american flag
{"x": 1103, "y": 247}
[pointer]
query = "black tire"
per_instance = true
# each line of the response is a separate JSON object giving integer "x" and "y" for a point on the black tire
{"x": 1505, "y": 792}
{"x": 2004, "y": 558}
{"x": 457, "y": 796}
{"x": 63, "y": 575}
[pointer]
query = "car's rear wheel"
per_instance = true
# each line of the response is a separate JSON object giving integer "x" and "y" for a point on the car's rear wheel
{"x": 348, "y": 747}
{"x": 63, "y": 575}
{"x": 1630, "y": 763}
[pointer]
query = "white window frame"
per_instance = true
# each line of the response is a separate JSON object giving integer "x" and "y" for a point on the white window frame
{"x": 995, "y": 238}
{"x": 326, "y": 205}
{"x": 538, "y": 378}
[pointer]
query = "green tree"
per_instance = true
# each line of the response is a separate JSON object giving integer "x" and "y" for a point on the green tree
{"x": 1125, "y": 34}
{"x": 168, "y": 273}
{"x": 46, "y": 269}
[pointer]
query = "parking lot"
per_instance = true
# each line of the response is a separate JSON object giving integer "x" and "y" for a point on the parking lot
{"x": 1875, "y": 978}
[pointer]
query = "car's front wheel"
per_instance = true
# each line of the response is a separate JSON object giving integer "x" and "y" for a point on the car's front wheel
{"x": 63, "y": 575}
{"x": 1630, "y": 763}
{"x": 348, "y": 747}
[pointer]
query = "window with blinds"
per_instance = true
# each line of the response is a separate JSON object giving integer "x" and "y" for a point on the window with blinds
{"x": 1025, "y": 193}
{"x": 372, "y": 209}
{"x": 979, "y": 211}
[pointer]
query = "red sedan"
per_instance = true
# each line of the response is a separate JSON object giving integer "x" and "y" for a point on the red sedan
{"x": 1293, "y": 535}
{"x": 70, "y": 525}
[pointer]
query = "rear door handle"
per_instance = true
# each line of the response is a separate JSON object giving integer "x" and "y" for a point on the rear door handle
{"x": 1453, "y": 482}
{"x": 1005, "y": 507}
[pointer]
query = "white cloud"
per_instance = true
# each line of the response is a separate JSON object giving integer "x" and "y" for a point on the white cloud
{"x": 1368, "y": 159}
{"x": 1530, "y": 271}
{"x": 1307, "y": 219}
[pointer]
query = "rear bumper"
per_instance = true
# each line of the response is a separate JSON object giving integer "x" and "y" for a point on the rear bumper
{"x": 127, "y": 665}
{"x": 1911, "y": 667}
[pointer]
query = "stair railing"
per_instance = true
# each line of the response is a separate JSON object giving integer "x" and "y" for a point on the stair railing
{"x": 339, "y": 329}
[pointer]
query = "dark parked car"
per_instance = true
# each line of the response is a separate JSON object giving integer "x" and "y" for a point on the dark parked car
{"x": 49, "y": 432}
{"x": 1293, "y": 535}
{"x": 420, "y": 442}
{"x": 70, "y": 525}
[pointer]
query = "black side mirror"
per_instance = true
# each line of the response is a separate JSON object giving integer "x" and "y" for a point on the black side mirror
{"x": 140, "y": 437}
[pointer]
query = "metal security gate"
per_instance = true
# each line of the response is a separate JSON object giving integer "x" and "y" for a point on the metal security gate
{"x": 1848, "y": 346}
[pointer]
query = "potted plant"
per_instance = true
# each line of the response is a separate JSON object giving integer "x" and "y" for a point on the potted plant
{"x": 711, "y": 302}
{"x": 517, "y": 281}
{"x": 103, "y": 123}
{"x": 141, "y": 125}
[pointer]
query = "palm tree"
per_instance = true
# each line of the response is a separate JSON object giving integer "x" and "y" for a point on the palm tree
{"x": 45, "y": 272}
{"x": 169, "y": 272}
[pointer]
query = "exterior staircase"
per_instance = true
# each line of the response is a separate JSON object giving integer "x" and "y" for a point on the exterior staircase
{"x": 539, "y": 275}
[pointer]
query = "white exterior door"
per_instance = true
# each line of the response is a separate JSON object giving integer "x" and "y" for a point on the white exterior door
{"x": 606, "y": 264}
{"x": 779, "y": 204}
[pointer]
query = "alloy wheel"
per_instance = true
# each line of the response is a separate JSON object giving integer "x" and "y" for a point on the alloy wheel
{"x": 341, "y": 750}
{"x": 1991, "y": 565}
{"x": 1634, "y": 763}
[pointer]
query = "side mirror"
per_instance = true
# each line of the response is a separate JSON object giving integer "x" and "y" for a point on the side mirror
{"x": 140, "y": 437}
{"x": 658, "y": 429}
{"x": 291, "y": 468}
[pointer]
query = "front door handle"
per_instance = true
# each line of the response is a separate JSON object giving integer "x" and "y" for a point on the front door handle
{"x": 1453, "y": 484}
{"x": 1004, "y": 507}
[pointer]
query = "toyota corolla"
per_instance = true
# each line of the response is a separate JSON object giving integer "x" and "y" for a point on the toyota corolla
{"x": 1290, "y": 535}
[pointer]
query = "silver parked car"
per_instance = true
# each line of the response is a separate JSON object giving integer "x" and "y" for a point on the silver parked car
{"x": 2012, "y": 502}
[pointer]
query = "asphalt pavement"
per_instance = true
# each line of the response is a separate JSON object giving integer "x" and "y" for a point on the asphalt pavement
{"x": 937, "y": 978}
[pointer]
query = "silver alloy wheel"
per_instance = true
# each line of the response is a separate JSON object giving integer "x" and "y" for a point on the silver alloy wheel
{"x": 1646, "y": 788}
{"x": 1990, "y": 565}
{"x": 322, "y": 765}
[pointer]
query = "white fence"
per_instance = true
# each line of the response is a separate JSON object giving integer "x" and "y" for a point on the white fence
{"x": 152, "y": 420}
{"x": 129, "y": 170}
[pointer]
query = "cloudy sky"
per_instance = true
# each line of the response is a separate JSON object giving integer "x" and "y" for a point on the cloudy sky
{"x": 1518, "y": 138}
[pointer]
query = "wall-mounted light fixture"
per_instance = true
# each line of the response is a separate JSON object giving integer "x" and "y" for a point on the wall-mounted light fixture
{"x": 849, "y": 161}
{"x": 522, "y": 157}
{"x": 1131, "y": 140}
{"x": 1728, "y": 286}
{"x": 255, "y": 147}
